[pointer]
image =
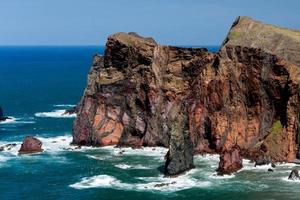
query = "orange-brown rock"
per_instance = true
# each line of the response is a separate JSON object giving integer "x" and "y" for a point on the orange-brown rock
{"x": 140, "y": 93}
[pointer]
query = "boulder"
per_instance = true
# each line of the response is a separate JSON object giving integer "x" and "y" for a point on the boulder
{"x": 230, "y": 161}
{"x": 294, "y": 175}
{"x": 31, "y": 145}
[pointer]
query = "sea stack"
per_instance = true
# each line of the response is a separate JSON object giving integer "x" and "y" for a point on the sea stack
{"x": 241, "y": 102}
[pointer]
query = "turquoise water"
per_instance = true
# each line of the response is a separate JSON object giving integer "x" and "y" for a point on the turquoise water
{"x": 37, "y": 84}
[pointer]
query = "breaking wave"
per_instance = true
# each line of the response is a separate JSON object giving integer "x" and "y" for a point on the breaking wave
{"x": 14, "y": 120}
{"x": 125, "y": 166}
{"x": 152, "y": 184}
{"x": 55, "y": 114}
{"x": 64, "y": 105}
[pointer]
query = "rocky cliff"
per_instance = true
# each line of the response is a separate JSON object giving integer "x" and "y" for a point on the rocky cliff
{"x": 239, "y": 102}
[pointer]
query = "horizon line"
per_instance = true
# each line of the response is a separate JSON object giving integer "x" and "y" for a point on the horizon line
{"x": 102, "y": 45}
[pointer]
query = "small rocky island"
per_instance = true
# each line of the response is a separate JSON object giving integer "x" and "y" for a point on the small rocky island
{"x": 241, "y": 102}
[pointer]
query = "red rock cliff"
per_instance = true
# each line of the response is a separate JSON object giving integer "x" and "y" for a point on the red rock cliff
{"x": 241, "y": 100}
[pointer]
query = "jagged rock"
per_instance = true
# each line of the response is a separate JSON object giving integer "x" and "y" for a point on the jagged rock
{"x": 294, "y": 175}
{"x": 230, "y": 161}
{"x": 180, "y": 155}
{"x": 31, "y": 145}
{"x": 70, "y": 111}
{"x": 140, "y": 93}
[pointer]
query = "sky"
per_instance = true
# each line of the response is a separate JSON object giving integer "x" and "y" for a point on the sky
{"x": 169, "y": 22}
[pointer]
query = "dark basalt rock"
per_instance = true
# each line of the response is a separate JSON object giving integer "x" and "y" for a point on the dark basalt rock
{"x": 2, "y": 117}
{"x": 71, "y": 111}
{"x": 31, "y": 145}
{"x": 294, "y": 175}
{"x": 241, "y": 101}
{"x": 8, "y": 147}
{"x": 263, "y": 160}
{"x": 270, "y": 170}
{"x": 180, "y": 155}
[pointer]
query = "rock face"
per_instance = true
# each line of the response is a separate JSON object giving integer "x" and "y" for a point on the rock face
{"x": 31, "y": 145}
{"x": 240, "y": 102}
{"x": 230, "y": 161}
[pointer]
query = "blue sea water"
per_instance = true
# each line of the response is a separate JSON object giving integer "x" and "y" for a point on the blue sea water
{"x": 37, "y": 84}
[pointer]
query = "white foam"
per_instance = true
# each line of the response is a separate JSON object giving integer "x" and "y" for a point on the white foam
{"x": 55, "y": 114}
{"x": 3, "y": 158}
{"x": 64, "y": 105}
{"x": 156, "y": 184}
{"x": 14, "y": 120}
{"x": 99, "y": 157}
{"x": 173, "y": 184}
{"x": 125, "y": 166}
{"x": 102, "y": 181}
{"x": 250, "y": 166}
{"x": 158, "y": 152}
{"x": 225, "y": 176}
{"x": 286, "y": 179}
{"x": 56, "y": 144}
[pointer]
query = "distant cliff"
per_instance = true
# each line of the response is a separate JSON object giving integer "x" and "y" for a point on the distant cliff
{"x": 239, "y": 102}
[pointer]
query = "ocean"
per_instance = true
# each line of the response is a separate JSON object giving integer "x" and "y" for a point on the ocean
{"x": 37, "y": 84}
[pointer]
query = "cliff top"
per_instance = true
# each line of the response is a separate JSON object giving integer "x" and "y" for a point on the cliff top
{"x": 131, "y": 38}
{"x": 248, "y": 32}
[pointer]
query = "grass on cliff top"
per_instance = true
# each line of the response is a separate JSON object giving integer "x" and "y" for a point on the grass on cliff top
{"x": 257, "y": 27}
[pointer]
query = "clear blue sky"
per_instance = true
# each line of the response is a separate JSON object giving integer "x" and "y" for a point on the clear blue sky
{"x": 176, "y": 22}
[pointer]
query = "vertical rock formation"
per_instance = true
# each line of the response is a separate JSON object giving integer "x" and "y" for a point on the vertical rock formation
{"x": 230, "y": 161}
{"x": 239, "y": 102}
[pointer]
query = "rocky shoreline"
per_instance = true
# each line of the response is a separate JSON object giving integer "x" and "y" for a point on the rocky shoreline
{"x": 241, "y": 102}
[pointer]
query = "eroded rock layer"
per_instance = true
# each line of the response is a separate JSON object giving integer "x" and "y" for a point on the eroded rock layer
{"x": 240, "y": 101}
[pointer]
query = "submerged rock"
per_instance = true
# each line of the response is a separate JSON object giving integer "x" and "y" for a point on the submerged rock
{"x": 70, "y": 111}
{"x": 230, "y": 161}
{"x": 294, "y": 175}
{"x": 140, "y": 93}
{"x": 30, "y": 145}
{"x": 2, "y": 117}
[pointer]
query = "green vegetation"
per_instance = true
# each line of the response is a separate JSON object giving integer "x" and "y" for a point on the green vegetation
{"x": 276, "y": 128}
{"x": 234, "y": 35}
